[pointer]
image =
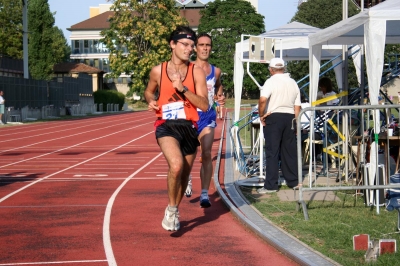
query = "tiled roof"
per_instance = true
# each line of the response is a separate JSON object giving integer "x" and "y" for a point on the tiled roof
{"x": 192, "y": 15}
{"x": 70, "y": 67}
{"x": 101, "y": 21}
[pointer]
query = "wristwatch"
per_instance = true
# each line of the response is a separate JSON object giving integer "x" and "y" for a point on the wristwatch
{"x": 185, "y": 89}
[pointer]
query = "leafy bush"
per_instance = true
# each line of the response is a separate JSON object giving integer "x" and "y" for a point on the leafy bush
{"x": 109, "y": 96}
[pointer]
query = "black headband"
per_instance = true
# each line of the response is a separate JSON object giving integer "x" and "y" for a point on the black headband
{"x": 184, "y": 36}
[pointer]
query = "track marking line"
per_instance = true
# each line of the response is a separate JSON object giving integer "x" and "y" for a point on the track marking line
{"x": 107, "y": 216}
{"x": 64, "y": 123}
{"x": 71, "y": 135}
{"x": 87, "y": 141}
{"x": 90, "y": 175}
{"x": 85, "y": 124}
{"x": 52, "y": 262}
{"x": 70, "y": 167}
{"x": 52, "y": 206}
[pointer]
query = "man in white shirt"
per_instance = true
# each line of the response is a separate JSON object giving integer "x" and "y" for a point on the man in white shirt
{"x": 278, "y": 106}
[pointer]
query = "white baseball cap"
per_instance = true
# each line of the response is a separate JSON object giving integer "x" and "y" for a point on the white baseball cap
{"x": 277, "y": 63}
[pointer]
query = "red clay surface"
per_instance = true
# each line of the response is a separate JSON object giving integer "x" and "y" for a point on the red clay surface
{"x": 93, "y": 192}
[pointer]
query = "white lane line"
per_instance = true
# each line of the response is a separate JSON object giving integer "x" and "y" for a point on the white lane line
{"x": 66, "y": 148}
{"x": 62, "y": 130}
{"x": 52, "y": 262}
{"x": 66, "y": 125}
{"x": 90, "y": 175}
{"x": 71, "y": 135}
{"x": 107, "y": 215}
{"x": 52, "y": 206}
{"x": 70, "y": 167}
{"x": 54, "y": 180}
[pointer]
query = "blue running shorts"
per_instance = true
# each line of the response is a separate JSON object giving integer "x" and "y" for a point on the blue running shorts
{"x": 207, "y": 119}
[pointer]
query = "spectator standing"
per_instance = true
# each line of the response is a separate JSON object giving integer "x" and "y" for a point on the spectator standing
{"x": 1, "y": 107}
{"x": 207, "y": 120}
{"x": 181, "y": 88}
{"x": 279, "y": 105}
{"x": 326, "y": 90}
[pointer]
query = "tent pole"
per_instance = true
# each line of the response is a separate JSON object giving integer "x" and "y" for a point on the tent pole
{"x": 345, "y": 86}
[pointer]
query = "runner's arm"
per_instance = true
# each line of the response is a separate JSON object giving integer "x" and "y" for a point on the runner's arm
{"x": 152, "y": 85}
{"x": 219, "y": 88}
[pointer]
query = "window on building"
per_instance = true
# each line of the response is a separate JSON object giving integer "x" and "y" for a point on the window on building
{"x": 76, "y": 47}
{"x": 86, "y": 46}
{"x": 95, "y": 46}
{"x": 106, "y": 65}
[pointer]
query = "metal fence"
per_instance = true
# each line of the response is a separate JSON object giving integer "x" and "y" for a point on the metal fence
{"x": 346, "y": 137}
{"x": 20, "y": 92}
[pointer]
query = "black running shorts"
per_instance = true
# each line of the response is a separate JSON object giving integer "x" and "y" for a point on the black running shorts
{"x": 183, "y": 131}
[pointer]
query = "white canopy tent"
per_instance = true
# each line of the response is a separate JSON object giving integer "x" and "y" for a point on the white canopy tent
{"x": 290, "y": 39}
{"x": 374, "y": 28}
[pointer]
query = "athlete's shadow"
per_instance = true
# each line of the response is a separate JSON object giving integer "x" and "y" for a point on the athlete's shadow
{"x": 20, "y": 176}
{"x": 212, "y": 213}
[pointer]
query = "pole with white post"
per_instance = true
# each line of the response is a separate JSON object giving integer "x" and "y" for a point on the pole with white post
{"x": 25, "y": 36}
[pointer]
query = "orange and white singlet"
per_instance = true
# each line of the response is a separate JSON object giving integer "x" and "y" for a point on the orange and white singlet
{"x": 173, "y": 104}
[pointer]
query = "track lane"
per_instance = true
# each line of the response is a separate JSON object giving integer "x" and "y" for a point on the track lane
{"x": 33, "y": 140}
{"x": 54, "y": 126}
{"x": 58, "y": 193}
{"x": 62, "y": 218}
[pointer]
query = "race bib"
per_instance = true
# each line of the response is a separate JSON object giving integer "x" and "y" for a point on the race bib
{"x": 173, "y": 111}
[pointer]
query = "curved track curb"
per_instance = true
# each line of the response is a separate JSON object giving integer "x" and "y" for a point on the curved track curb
{"x": 282, "y": 241}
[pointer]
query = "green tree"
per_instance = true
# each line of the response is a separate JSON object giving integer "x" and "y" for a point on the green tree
{"x": 329, "y": 13}
{"x": 47, "y": 44}
{"x": 143, "y": 28}
{"x": 11, "y": 28}
{"x": 60, "y": 48}
{"x": 226, "y": 21}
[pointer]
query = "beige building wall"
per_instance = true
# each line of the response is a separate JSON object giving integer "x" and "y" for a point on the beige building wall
{"x": 95, "y": 82}
{"x": 255, "y": 3}
{"x": 104, "y": 8}
{"x": 93, "y": 11}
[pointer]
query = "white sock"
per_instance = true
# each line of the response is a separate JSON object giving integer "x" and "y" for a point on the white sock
{"x": 172, "y": 208}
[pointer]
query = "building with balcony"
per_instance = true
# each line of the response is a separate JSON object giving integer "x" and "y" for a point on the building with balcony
{"x": 87, "y": 48}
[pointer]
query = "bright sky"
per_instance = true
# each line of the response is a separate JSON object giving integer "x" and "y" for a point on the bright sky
{"x": 72, "y": 12}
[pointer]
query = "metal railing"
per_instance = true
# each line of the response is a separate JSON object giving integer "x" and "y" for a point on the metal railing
{"x": 339, "y": 140}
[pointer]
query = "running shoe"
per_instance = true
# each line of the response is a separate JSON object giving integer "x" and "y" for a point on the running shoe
{"x": 171, "y": 219}
{"x": 204, "y": 201}
{"x": 266, "y": 191}
{"x": 188, "y": 191}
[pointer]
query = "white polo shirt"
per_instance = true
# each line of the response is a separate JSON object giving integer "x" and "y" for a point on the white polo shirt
{"x": 283, "y": 94}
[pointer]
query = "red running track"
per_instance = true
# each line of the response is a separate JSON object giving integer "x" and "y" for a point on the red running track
{"x": 93, "y": 192}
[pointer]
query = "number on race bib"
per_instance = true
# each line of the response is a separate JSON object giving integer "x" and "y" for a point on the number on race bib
{"x": 173, "y": 111}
